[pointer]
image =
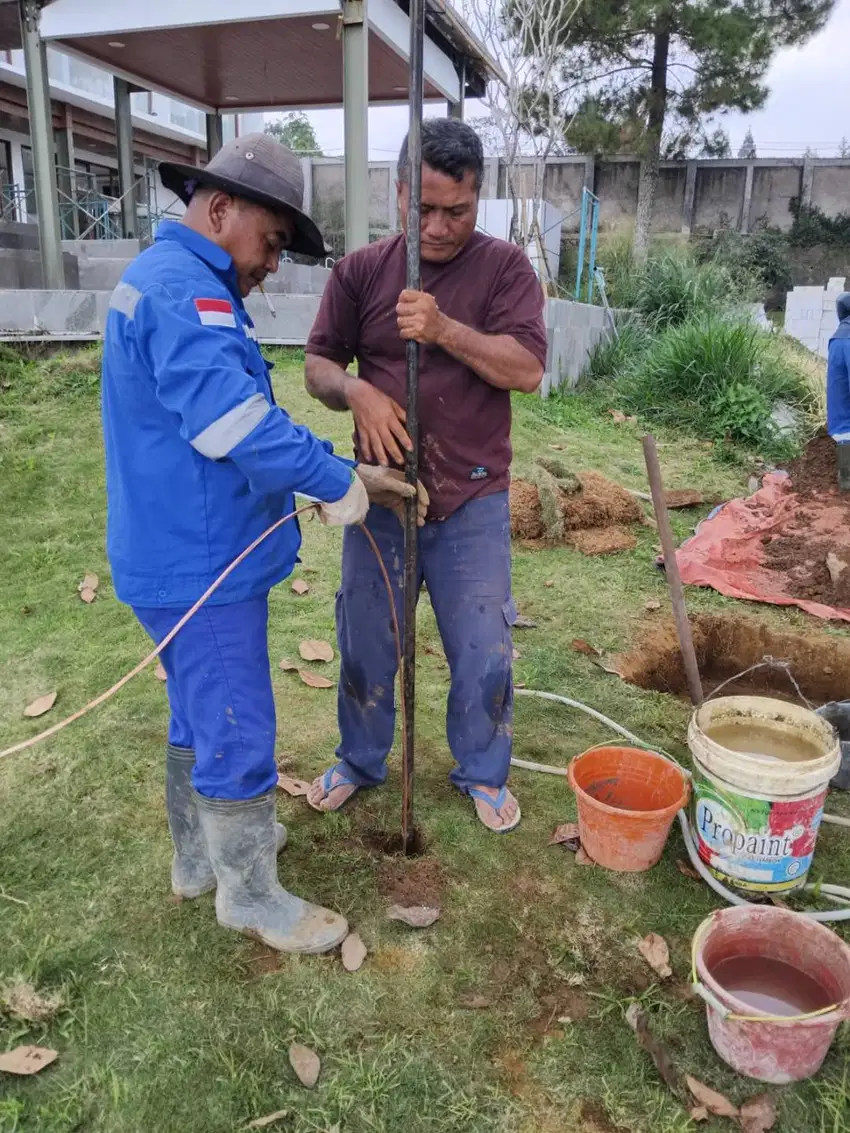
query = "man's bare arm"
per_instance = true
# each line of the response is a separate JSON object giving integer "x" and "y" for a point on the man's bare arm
{"x": 327, "y": 381}
{"x": 379, "y": 420}
{"x": 498, "y": 359}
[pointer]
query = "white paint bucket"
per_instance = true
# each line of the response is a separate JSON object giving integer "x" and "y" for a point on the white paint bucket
{"x": 761, "y": 774}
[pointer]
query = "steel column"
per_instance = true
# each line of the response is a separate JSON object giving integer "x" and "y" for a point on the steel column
{"x": 126, "y": 163}
{"x": 355, "y": 93}
{"x": 41, "y": 138}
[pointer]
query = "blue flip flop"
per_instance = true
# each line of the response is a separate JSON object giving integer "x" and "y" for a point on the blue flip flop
{"x": 496, "y": 804}
{"x": 328, "y": 785}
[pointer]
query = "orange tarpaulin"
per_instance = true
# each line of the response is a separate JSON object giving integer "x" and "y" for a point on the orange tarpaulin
{"x": 728, "y": 550}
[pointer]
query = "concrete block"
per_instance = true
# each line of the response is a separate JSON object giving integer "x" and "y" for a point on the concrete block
{"x": 292, "y": 322}
{"x": 101, "y": 274}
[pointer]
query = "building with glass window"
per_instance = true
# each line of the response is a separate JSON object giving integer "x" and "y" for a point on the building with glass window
{"x": 83, "y": 108}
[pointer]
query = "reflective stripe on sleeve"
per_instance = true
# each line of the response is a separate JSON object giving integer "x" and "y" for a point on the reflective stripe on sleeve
{"x": 124, "y": 299}
{"x": 223, "y": 435}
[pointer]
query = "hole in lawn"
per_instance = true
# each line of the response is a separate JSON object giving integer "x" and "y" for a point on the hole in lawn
{"x": 726, "y": 645}
{"x": 391, "y": 844}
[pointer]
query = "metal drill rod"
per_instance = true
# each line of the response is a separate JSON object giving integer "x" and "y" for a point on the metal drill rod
{"x": 411, "y": 558}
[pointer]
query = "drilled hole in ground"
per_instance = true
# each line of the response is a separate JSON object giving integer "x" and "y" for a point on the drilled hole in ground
{"x": 392, "y": 844}
{"x": 727, "y": 645}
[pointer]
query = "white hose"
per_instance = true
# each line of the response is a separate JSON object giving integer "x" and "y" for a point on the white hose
{"x": 627, "y": 735}
{"x": 837, "y": 892}
{"x": 836, "y": 820}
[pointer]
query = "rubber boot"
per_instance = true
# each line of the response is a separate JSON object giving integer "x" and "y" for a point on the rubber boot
{"x": 191, "y": 870}
{"x": 842, "y": 457}
{"x": 250, "y": 899}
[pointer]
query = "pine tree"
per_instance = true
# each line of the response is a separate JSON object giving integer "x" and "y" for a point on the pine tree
{"x": 748, "y": 146}
{"x": 679, "y": 62}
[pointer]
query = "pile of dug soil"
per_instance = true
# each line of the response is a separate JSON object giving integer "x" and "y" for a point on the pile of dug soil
{"x": 591, "y": 518}
{"x": 814, "y": 553}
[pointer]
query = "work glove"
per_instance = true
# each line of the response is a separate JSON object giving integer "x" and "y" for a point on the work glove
{"x": 388, "y": 488}
{"x": 351, "y": 509}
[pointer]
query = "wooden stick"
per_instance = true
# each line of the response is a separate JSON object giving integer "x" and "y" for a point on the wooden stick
{"x": 671, "y": 568}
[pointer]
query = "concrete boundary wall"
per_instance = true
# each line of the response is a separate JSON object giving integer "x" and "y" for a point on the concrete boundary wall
{"x": 693, "y": 197}
{"x": 573, "y": 329}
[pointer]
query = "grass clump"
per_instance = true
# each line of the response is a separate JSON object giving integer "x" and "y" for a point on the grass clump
{"x": 687, "y": 356}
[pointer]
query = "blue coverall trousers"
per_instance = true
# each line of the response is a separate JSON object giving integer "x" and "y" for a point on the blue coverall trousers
{"x": 465, "y": 563}
{"x": 220, "y": 695}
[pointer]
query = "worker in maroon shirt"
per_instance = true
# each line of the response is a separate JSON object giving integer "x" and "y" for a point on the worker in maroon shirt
{"x": 479, "y": 318}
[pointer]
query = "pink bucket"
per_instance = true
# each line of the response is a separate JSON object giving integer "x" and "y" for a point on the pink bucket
{"x": 756, "y": 1046}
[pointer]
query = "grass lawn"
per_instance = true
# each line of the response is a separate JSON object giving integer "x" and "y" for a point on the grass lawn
{"x": 508, "y": 1015}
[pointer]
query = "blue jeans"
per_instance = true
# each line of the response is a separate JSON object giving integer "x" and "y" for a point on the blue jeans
{"x": 465, "y": 563}
{"x": 220, "y": 695}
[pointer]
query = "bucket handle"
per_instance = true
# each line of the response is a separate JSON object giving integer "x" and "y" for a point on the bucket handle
{"x": 711, "y": 999}
{"x": 767, "y": 662}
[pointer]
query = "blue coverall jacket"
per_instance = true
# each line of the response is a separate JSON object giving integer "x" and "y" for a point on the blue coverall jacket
{"x": 838, "y": 384}
{"x": 199, "y": 458}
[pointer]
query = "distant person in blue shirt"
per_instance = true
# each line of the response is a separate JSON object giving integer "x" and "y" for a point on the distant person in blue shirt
{"x": 200, "y": 460}
{"x": 838, "y": 390}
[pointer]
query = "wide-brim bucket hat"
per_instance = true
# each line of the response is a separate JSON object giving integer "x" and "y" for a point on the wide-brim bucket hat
{"x": 257, "y": 168}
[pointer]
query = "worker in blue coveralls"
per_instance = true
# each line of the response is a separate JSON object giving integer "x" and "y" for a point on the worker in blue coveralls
{"x": 838, "y": 390}
{"x": 200, "y": 460}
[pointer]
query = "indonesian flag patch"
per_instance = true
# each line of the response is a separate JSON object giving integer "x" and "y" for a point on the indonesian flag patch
{"x": 215, "y": 312}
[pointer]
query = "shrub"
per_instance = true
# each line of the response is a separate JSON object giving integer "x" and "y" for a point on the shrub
{"x": 674, "y": 288}
{"x": 760, "y": 259}
{"x": 716, "y": 377}
{"x": 812, "y": 226}
{"x": 610, "y": 357}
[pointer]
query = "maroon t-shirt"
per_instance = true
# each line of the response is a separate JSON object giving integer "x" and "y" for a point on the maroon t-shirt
{"x": 464, "y": 423}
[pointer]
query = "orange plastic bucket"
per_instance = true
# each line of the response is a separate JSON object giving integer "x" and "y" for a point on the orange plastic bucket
{"x": 627, "y": 800}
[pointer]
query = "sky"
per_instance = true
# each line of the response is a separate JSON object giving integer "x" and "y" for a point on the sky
{"x": 807, "y": 105}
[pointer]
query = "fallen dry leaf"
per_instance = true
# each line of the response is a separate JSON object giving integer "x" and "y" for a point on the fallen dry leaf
{"x": 269, "y": 1119}
{"x": 715, "y": 1103}
{"x": 306, "y": 1064}
{"x": 583, "y": 857}
{"x": 758, "y": 1114}
{"x": 417, "y": 916}
{"x": 617, "y": 417}
{"x": 474, "y": 1002}
{"x": 314, "y": 680}
{"x": 88, "y": 595}
{"x": 698, "y": 1113}
{"x": 638, "y": 1020}
{"x": 686, "y": 870}
{"x": 299, "y": 586}
{"x": 90, "y": 582}
{"x": 27, "y": 1059}
{"x": 353, "y": 952}
{"x": 579, "y": 645}
{"x": 516, "y": 654}
{"x": 294, "y": 787}
{"x": 20, "y": 1000}
{"x": 41, "y": 705}
{"x": 159, "y": 672}
{"x": 608, "y": 666}
{"x": 654, "y": 950}
{"x": 558, "y": 448}
{"x": 564, "y": 834}
{"x": 549, "y": 583}
{"x": 523, "y": 622}
{"x": 652, "y": 604}
{"x": 316, "y": 651}
{"x": 288, "y": 666}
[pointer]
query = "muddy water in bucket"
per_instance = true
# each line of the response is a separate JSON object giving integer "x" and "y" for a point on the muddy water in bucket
{"x": 776, "y": 985}
{"x": 761, "y": 772}
{"x": 770, "y": 985}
